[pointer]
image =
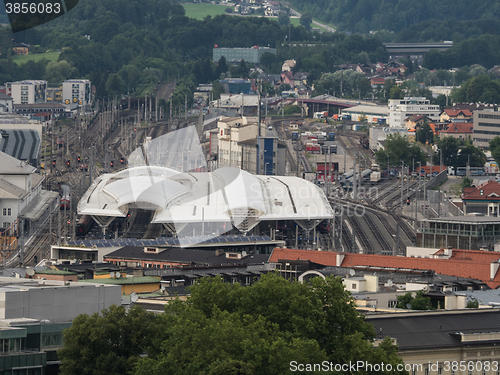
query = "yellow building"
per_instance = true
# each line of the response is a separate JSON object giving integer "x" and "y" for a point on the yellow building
{"x": 141, "y": 284}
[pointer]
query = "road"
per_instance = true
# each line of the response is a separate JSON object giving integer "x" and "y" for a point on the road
{"x": 294, "y": 13}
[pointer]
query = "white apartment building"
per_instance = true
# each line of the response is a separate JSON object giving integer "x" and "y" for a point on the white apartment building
{"x": 27, "y": 92}
{"x": 239, "y": 143}
{"x": 77, "y": 91}
{"x": 233, "y": 130}
{"x": 400, "y": 109}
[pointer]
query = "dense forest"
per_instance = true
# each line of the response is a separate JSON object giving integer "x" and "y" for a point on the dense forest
{"x": 130, "y": 46}
{"x": 396, "y": 15}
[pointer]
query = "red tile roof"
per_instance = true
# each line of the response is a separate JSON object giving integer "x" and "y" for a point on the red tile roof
{"x": 459, "y": 127}
{"x": 471, "y": 264}
{"x": 455, "y": 113}
{"x": 489, "y": 190}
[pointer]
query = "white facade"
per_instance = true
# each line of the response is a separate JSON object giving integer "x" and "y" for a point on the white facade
{"x": 27, "y": 92}
{"x": 400, "y": 109}
{"x": 5, "y": 103}
{"x": 370, "y": 113}
{"x": 19, "y": 185}
{"x": 233, "y": 130}
{"x": 77, "y": 91}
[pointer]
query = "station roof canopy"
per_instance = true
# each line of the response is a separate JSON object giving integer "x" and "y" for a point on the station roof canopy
{"x": 227, "y": 195}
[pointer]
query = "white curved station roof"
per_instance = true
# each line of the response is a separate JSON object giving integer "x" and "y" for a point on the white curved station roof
{"x": 225, "y": 195}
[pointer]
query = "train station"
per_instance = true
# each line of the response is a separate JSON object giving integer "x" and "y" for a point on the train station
{"x": 205, "y": 203}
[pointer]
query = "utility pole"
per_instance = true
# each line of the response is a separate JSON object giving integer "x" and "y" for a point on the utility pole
{"x": 402, "y": 179}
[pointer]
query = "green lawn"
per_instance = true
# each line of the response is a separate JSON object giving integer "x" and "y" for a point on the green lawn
{"x": 21, "y": 59}
{"x": 200, "y": 11}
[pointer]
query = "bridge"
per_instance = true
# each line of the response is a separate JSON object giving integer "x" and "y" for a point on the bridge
{"x": 415, "y": 49}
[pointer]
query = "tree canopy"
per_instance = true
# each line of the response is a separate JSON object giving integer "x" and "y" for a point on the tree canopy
{"x": 229, "y": 329}
{"x": 397, "y": 149}
{"x": 261, "y": 328}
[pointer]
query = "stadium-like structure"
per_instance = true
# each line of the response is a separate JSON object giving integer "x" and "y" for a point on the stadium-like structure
{"x": 205, "y": 202}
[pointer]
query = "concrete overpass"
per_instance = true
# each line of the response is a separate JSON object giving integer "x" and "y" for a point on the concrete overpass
{"x": 415, "y": 49}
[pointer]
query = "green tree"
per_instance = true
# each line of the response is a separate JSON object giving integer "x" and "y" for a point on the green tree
{"x": 467, "y": 182}
{"x": 108, "y": 343}
{"x": 494, "y": 147}
{"x": 417, "y": 302}
{"x": 449, "y": 147}
{"x": 306, "y": 20}
{"x": 283, "y": 19}
{"x": 227, "y": 328}
{"x": 217, "y": 89}
{"x": 114, "y": 84}
{"x": 397, "y": 149}
{"x": 472, "y": 304}
{"x": 424, "y": 134}
{"x": 468, "y": 153}
{"x": 59, "y": 71}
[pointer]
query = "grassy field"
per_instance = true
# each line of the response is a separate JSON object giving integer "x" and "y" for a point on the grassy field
{"x": 200, "y": 11}
{"x": 21, "y": 59}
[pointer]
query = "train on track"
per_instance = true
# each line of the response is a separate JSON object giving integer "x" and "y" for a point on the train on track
{"x": 85, "y": 223}
{"x": 65, "y": 202}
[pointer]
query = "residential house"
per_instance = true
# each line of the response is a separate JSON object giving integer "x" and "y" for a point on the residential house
{"x": 287, "y": 78}
{"x": 458, "y": 130}
{"x": 483, "y": 199}
{"x": 21, "y": 48}
{"x": 478, "y": 265}
{"x": 288, "y": 65}
{"x": 449, "y": 114}
{"x": 413, "y": 122}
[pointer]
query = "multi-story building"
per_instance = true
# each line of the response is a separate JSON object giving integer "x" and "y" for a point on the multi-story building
{"x": 5, "y": 103}
{"x": 27, "y": 92}
{"x": 234, "y": 55}
{"x": 239, "y": 143}
{"x": 400, "y": 109}
{"x": 77, "y": 91}
{"x": 486, "y": 126}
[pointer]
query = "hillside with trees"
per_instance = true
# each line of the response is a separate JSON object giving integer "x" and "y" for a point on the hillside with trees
{"x": 395, "y": 15}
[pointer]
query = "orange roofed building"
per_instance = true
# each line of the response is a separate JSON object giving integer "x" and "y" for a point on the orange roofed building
{"x": 471, "y": 264}
{"x": 483, "y": 199}
{"x": 458, "y": 130}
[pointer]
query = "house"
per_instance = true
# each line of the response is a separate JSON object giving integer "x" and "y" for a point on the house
{"x": 287, "y": 78}
{"x": 288, "y": 65}
{"x": 470, "y": 264}
{"x": 483, "y": 199}
{"x": 5, "y": 103}
{"x": 177, "y": 257}
{"x": 300, "y": 79}
{"x": 415, "y": 121}
{"x": 21, "y": 48}
{"x": 377, "y": 82}
{"x": 449, "y": 114}
{"x": 458, "y": 130}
